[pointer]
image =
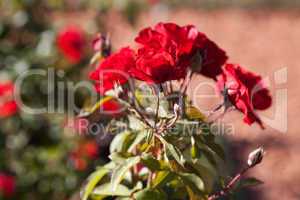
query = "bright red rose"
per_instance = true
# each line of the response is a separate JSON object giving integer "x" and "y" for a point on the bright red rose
{"x": 113, "y": 70}
{"x": 8, "y": 105}
{"x": 245, "y": 91}
{"x": 71, "y": 42}
{"x": 7, "y": 185}
{"x": 168, "y": 50}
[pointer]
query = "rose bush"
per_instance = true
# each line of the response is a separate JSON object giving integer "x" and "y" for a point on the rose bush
{"x": 164, "y": 147}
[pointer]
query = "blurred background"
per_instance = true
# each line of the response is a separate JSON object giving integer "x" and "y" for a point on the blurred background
{"x": 45, "y": 157}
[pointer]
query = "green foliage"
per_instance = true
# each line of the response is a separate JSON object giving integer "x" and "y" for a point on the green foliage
{"x": 170, "y": 161}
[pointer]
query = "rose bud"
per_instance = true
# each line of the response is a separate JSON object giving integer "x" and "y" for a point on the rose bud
{"x": 255, "y": 157}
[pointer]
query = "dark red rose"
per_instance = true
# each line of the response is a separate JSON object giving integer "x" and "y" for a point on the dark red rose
{"x": 213, "y": 58}
{"x": 245, "y": 91}
{"x": 113, "y": 70}
{"x": 71, "y": 42}
{"x": 7, "y": 185}
{"x": 168, "y": 50}
{"x": 8, "y": 105}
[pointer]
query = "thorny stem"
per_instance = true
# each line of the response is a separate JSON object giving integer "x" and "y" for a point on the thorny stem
{"x": 157, "y": 108}
{"x": 141, "y": 116}
{"x": 229, "y": 186}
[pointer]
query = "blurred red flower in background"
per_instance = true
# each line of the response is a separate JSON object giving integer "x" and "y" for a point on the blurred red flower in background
{"x": 245, "y": 91}
{"x": 113, "y": 70}
{"x": 71, "y": 42}
{"x": 8, "y": 105}
{"x": 83, "y": 153}
{"x": 7, "y": 185}
{"x": 167, "y": 50}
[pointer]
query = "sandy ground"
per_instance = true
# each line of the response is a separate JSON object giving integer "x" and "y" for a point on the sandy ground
{"x": 269, "y": 44}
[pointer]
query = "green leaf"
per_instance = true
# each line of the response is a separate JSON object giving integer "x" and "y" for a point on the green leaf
{"x": 162, "y": 178}
{"x": 135, "y": 124}
{"x": 209, "y": 140}
{"x": 106, "y": 190}
{"x": 149, "y": 136}
{"x": 150, "y": 194}
{"x": 153, "y": 164}
{"x": 150, "y": 162}
{"x": 121, "y": 170}
{"x": 138, "y": 139}
{"x": 122, "y": 141}
{"x": 193, "y": 113}
{"x": 195, "y": 152}
{"x": 210, "y": 154}
{"x": 206, "y": 174}
{"x": 93, "y": 179}
{"x": 170, "y": 148}
{"x": 249, "y": 182}
{"x": 193, "y": 181}
{"x": 117, "y": 158}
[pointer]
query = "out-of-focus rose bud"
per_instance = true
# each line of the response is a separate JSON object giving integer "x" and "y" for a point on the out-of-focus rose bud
{"x": 255, "y": 157}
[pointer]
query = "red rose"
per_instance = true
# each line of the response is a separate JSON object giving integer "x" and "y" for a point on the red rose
{"x": 71, "y": 42}
{"x": 7, "y": 185}
{"x": 245, "y": 91}
{"x": 8, "y": 105}
{"x": 213, "y": 58}
{"x": 113, "y": 70}
{"x": 168, "y": 50}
